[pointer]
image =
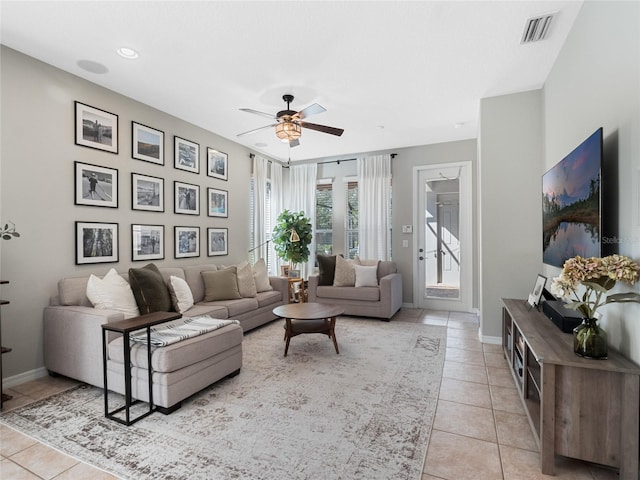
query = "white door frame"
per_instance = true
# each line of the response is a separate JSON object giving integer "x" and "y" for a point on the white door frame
{"x": 464, "y": 303}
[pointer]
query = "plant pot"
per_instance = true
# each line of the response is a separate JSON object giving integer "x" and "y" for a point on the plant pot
{"x": 589, "y": 340}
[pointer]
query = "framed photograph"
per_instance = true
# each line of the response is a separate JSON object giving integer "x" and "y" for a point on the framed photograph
{"x": 96, "y": 128}
{"x": 147, "y": 242}
{"x": 186, "y": 155}
{"x": 147, "y": 193}
{"x": 96, "y": 186}
{"x": 217, "y": 203}
{"x": 147, "y": 143}
{"x": 284, "y": 270}
{"x": 294, "y": 274}
{"x": 186, "y": 198}
{"x": 536, "y": 293}
{"x": 217, "y": 241}
{"x": 96, "y": 242}
{"x": 187, "y": 242}
{"x": 217, "y": 164}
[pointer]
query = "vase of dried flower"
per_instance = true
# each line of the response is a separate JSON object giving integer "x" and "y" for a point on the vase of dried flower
{"x": 590, "y": 340}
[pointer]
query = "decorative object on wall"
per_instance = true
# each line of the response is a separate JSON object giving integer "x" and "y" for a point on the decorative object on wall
{"x": 147, "y": 242}
{"x": 536, "y": 293}
{"x": 186, "y": 198}
{"x": 217, "y": 164}
{"x": 217, "y": 241}
{"x": 217, "y": 202}
{"x": 8, "y": 231}
{"x": 96, "y": 242}
{"x": 96, "y": 186}
{"x": 147, "y": 193}
{"x": 187, "y": 242}
{"x": 96, "y": 128}
{"x": 147, "y": 143}
{"x": 186, "y": 155}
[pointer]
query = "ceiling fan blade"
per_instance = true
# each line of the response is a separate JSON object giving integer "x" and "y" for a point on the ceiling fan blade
{"x": 256, "y": 129}
{"x": 322, "y": 128}
{"x": 311, "y": 110}
{"x": 294, "y": 143}
{"x": 256, "y": 112}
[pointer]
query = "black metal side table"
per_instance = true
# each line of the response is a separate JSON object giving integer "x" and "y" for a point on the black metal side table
{"x": 125, "y": 327}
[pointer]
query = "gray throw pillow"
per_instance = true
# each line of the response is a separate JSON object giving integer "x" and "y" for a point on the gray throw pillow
{"x": 221, "y": 285}
{"x": 149, "y": 289}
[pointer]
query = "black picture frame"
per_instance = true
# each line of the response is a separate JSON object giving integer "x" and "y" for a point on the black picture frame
{"x": 96, "y": 242}
{"x": 147, "y": 143}
{"x": 186, "y": 198}
{"x": 147, "y": 242}
{"x": 95, "y": 186}
{"x": 186, "y": 242}
{"x": 217, "y": 203}
{"x": 186, "y": 155}
{"x": 147, "y": 193}
{"x": 217, "y": 241}
{"x": 217, "y": 164}
{"x": 96, "y": 128}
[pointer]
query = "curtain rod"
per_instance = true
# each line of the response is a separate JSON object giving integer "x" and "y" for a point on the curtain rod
{"x": 393, "y": 155}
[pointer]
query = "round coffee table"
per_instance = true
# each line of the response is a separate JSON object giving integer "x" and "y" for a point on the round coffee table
{"x": 308, "y": 318}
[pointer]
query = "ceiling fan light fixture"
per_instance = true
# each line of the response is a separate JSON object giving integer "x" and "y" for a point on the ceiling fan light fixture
{"x": 288, "y": 130}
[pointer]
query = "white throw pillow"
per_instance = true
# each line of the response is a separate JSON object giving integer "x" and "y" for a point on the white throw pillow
{"x": 246, "y": 283}
{"x": 181, "y": 295}
{"x": 345, "y": 275}
{"x": 112, "y": 292}
{"x": 261, "y": 276}
{"x": 366, "y": 276}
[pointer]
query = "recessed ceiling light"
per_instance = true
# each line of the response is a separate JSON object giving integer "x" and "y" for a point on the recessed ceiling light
{"x": 128, "y": 53}
{"x": 91, "y": 66}
{"x": 261, "y": 144}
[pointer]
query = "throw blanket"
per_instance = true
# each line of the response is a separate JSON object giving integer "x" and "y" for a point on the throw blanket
{"x": 181, "y": 329}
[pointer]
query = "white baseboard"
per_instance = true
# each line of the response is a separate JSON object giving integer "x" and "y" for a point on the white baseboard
{"x": 24, "y": 377}
{"x": 491, "y": 340}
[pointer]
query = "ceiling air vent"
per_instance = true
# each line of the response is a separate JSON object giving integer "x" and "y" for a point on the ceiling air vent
{"x": 536, "y": 28}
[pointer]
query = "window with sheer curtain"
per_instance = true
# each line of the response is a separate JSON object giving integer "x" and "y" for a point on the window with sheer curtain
{"x": 324, "y": 217}
{"x": 352, "y": 215}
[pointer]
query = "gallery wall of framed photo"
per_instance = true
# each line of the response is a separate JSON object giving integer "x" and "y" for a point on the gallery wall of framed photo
{"x": 162, "y": 216}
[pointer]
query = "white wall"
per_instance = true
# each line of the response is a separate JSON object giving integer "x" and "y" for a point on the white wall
{"x": 37, "y": 192}
{"x": 510, "y": 217}
{"x": 594, "y": 83}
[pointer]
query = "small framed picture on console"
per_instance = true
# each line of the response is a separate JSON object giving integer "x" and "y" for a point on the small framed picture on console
{"x": 536, "y": 293}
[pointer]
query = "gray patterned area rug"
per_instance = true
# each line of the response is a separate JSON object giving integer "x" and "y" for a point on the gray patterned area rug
{"x": 364, "y": 414}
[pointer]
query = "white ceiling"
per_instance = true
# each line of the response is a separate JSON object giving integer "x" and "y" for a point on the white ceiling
{"x": 391, "y": 73}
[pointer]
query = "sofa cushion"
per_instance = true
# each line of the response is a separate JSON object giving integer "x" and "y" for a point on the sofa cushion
{"x": 193, "y": 276}
{"x": 73, "y": 291}
{"x": 368, "y": 294}
{"x": 181, "y": 296}
{"x": 327, "y": 269}
{"x": 235, "y": 307}
{"x": 150, "y": 289}
{"x": 261, "y": 276}
{"x": 112, "y": 293}
{"x": 246, "y": 283}
{"x": 212, "y": 309}
{"x": 221, "y": 284}
{"x": 345, "y": 275}
{"x": 268, "y": 298}
{"x": 366, "y": 276}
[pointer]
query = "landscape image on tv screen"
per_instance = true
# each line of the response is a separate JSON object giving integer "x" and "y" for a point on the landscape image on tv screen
{"x": 571, "y": 204}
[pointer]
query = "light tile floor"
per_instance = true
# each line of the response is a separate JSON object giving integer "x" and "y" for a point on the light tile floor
{"x": 480, "y": 430}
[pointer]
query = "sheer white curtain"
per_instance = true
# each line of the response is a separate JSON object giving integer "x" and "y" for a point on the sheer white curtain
{"x": 302, "y": 197}
{"x": 277, "y": 198}
{"x": 374, "y": 192}
{"x": 260, "y": 214}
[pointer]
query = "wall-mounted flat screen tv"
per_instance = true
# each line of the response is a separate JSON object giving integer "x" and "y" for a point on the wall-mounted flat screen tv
{"x": 571, "y": 204}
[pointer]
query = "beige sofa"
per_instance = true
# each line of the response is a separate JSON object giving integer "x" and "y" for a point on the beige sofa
{"x": 380, "y": 301}
{"x": 73, "y": 339}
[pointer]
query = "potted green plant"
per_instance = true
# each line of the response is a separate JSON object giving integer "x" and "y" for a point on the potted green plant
{"x": 292, "y": 237}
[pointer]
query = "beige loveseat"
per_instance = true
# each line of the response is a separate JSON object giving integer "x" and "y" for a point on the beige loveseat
{"x": 382, "y": 299}
{"x": 73, "y": 339}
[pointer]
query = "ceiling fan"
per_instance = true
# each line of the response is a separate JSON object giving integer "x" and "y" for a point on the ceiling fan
{"x": 289, "y": 123}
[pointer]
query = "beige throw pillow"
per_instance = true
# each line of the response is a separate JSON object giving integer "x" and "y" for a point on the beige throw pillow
{"x": 345, "y": 275}
{"x": 246, "y": 283}
{"x": 221, "y": 285}
{"x": 112, "y": 292}
{"x": 261, "y": 276}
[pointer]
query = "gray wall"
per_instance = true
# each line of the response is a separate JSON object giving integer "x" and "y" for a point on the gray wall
{"x": 594, "y": 83}
{"x": 37, "y": 185}
{"x": 510, "y": 218}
